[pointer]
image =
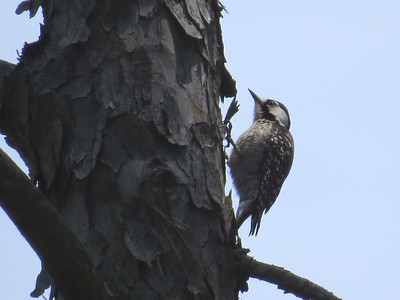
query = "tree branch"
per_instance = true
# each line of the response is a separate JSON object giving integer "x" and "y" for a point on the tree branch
{"x": 285, "y": 280}
{"x": 5, "y": 69}
{"x": 40, "y": 224}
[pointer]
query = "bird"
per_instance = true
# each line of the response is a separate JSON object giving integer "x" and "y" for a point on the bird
{"x": 261, "y": 161}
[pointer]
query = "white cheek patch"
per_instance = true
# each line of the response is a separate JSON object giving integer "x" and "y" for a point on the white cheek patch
{"x": 280, "y": 115}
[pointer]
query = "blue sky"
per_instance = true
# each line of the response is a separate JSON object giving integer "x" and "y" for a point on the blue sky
{"x": 335, "y": 65}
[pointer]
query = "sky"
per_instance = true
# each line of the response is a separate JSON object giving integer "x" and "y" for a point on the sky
{"x": 336, "y": 67}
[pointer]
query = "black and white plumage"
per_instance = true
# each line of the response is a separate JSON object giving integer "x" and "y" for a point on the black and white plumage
{"x": 262, "y": 160}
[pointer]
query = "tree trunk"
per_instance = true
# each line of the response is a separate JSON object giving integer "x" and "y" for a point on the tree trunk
{"x": 115, "y": 110}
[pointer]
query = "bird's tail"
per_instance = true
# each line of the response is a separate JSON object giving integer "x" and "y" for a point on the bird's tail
{"x": 255, "y": 222}
{"x": 240, "y": 218}
{"x": 246, "y": 209}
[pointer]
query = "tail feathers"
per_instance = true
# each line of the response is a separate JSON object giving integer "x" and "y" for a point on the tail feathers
{"x": 246, "y": 208}
{"x": 255, "y": 222}
{"x": 244, "y": 211}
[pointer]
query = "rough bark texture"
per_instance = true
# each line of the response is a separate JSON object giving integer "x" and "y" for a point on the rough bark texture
{"x": 40, "y": 223}
{"x": 285, "y": 280}
{"x": 115, "y": 110}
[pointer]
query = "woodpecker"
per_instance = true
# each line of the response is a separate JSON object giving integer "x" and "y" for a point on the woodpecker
{"x": 261, "y": 161}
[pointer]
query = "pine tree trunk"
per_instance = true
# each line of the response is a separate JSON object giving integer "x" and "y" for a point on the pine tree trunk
{"x": 115, "y": 110}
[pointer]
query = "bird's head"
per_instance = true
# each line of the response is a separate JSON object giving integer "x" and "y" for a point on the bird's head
{"x": 271, "y": 110}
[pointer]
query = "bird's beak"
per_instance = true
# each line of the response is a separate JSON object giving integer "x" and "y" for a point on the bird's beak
{"x": 256, "y": 98}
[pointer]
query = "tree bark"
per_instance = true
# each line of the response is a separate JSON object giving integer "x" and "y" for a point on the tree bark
{"x": 115, "y": 111}
{"x": 40, "y": 224}
{"x": 285, "y": 280}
